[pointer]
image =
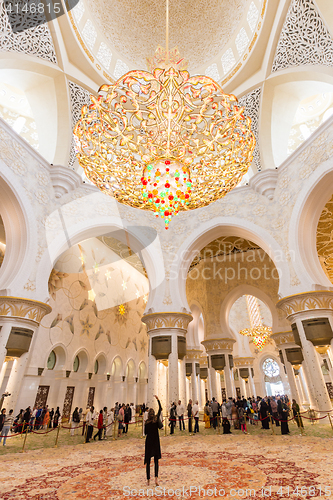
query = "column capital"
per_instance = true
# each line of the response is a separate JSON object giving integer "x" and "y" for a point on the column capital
{"x": 240, "y": 362}
{"x": 304, "y": 302}
{"x": 167, "y": 320}
{"x": 23, "y": 309}
{"x": 284, "y": 339}
{"x": 225, "y": 344}
{"x": 193, "y": 354}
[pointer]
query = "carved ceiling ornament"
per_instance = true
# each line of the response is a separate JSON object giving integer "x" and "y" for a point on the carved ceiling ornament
{"x": 225, "y": 245}
{"x": 78, "y": 98}
{"x": 239, "y": 362}
{"x": 304, "y": 38}
{"x": 30, "y": 35}
{"x": 251, "y": 102}
{"x": 156, "y": 321}
{"x": 215, "y": 344}
{"x": 15, "y": 307}
{"x": 306, "y": 301}
{"x": 282, "y": 338}
{"x": 324, "y": 239}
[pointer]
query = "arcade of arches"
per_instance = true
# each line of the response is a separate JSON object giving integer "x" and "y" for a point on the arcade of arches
{"x": 98, "y": 302}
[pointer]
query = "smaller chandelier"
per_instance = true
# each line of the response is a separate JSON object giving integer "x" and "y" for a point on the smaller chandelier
{"x": 258, "y": 332}
{"x": 259, "y": 335}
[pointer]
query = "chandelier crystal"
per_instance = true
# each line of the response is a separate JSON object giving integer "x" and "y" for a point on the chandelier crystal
{"x": 164, "y": 141}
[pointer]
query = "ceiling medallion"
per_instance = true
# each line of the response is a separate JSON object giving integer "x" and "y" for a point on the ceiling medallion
{"x": 258, "y": 332}
{"x": 164, "y": 141}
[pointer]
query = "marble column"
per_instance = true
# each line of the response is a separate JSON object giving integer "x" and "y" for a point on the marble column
{"x": 212, "y": 380}
{"x": 221, "y": 347}
{"x": 247, "y": 363}
{"x": 3, "y": 372}
{"x": 5, "y": 330}
{"x": 229, "y": 379}
{"x": 291, "y": 376}
{"x": 194, "y": 382}
{"x": 170, "y": 329}
{"x": 252, "y": 386}
{"x": 308, "y": 307}
{"x": 152, "y": 376}
{"x": 304, "y": 384}
{"x": 19, "y": 320}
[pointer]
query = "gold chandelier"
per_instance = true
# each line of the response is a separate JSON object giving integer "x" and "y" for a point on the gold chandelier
{"x": 258, "y": 332}
{"x": 164, "y": 141}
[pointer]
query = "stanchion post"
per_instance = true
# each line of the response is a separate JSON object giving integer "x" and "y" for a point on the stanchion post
{"x": 218, "y": 424}
{"x": 165, "y": 424}
{"x": 22, "y": 431}
{"x": 192, "y": 429}
{"x": 270, "y": 417}
{"x": 25, "y": 439}
{"x": 57, "y": 437}
{"x": 143, "y": 425}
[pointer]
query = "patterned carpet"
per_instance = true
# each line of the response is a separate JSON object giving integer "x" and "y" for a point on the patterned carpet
{"x": 232, "y": 467}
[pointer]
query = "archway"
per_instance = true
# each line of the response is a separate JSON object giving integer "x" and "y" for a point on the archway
{"x": 309, "y": 205}
{"x": 217, "y": 228}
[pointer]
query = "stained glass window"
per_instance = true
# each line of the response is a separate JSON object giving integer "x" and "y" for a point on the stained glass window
{"x": 271, "y": 368}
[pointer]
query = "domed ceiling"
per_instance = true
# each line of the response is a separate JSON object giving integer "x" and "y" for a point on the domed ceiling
{"x": 199, "y": 28}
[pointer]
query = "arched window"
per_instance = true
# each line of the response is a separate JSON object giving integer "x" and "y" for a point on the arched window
{"x": 76, "y": 364}
{"x": 51, "y": 361}
{"x": 96, "y": 367}
{"x": 271, "y": 368}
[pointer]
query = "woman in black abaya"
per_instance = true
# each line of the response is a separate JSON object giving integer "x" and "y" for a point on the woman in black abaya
{"x": 264, "y": 414}
{"x": 152, "y": 445}
{"x": 284, "y": 419}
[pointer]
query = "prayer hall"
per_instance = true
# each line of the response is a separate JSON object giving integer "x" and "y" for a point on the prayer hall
{"x": 166, "y": 249}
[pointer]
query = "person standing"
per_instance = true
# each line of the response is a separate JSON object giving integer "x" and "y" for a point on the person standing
{"x": 215, "y": 410}
{"x": 180, "y": 414}
{"x": 284, "y": 419}
{"x": 296, "y": 414}
{"x": 99, "y": 426}
{"x": 7, "y": 425}
{"x": 109, "y": 429}
{"x": 90, "y": 417}
{"x": 195, "y": 412}
{"x": 56, "y": 418}
{"x": 241, "y": 418}
{"x": 121, "y": 416}
{"x": 84, "y": 423}
{"x": 173, "y": 417}
{"x": 127, "y": 417}
{"x": 2, "y": 418}
{"x": 225, "y": 421}
{"x": 263, "y": 414}
{"x": 51, "y": 417}
{"x": 75, "y": 421}
{"x": 189, "y": 415}
{"x": 152, "y": 444}
{"x": 274, "y": 408}
{"x": 46, "y": 418}
{"x": 105, "y": 420}
{"x": 206, "y": 416}
{"x": 132, "y": 413}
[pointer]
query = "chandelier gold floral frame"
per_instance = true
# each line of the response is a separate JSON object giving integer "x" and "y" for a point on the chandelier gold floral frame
{"x": 164, "y": 141}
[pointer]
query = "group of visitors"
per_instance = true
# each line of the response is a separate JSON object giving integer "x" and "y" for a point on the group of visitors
{"x": 236, "y": 413}
{"x": 103, "y": 420}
